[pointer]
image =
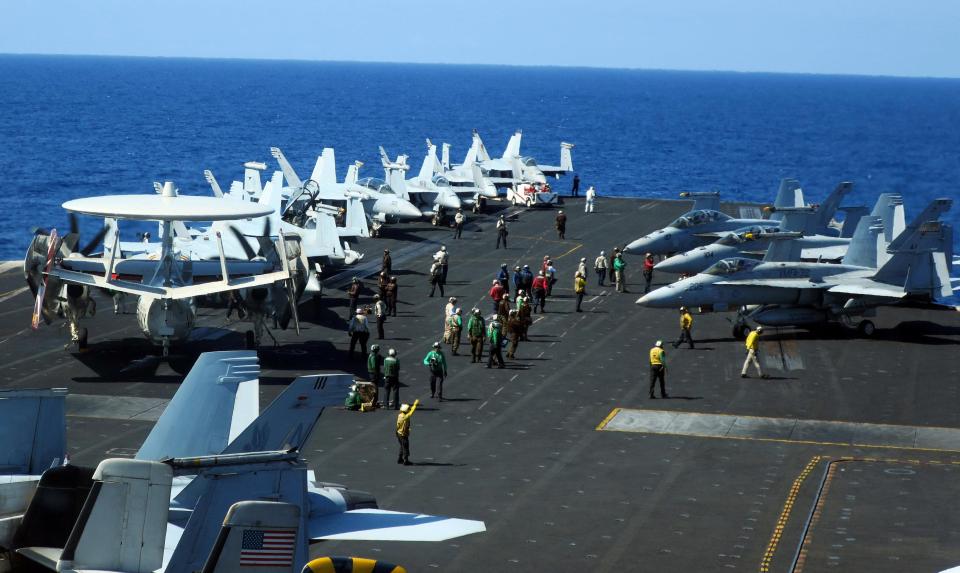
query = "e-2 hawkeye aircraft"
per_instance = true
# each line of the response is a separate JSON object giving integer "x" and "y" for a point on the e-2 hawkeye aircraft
{"x": 167, "y": 281}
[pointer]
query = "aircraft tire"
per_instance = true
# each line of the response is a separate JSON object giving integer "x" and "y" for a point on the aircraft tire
{"x": 82, "y": 339}
{"x": 740, "y": 331}
{"x": 866, "y": 328}
{"x": 250, "y": 342}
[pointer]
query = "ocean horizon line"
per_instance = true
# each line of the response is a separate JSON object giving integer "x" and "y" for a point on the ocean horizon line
{"x": 482, "y": 65}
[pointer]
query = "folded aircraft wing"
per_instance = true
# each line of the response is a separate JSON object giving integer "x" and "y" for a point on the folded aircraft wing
{"x": 382, "y": 525}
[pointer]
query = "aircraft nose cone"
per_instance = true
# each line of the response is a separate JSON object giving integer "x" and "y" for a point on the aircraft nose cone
{"x": 450, "y": 202}
{"x": 407, "y": 210}
{"x": 675, "y": 264}
{"x": 663, "y": 297}
{"x": 639, "y": 247}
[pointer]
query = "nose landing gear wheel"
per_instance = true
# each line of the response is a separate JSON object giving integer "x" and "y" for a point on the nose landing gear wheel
{"x": 250, "y": 342}
{"x": 82, "y": 339}
{"x": 866, "y": 328}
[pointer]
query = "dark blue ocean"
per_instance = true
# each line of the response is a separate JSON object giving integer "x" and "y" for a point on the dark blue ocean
{"x": 82, "y": 126}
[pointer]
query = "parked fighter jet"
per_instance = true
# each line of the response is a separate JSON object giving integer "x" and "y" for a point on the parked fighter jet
{"x": 803, "y": 224}
{"x": 179, "y": 504}
{"x": 165, "y": 281}
{"x": 379, "y": 200}
{"x": 510, "y": 168}
{"x": 430, "y": 192}
{"x": 802, "y": 294}
{"x": 322, "y": 242}
{"x": 701, "y": 227}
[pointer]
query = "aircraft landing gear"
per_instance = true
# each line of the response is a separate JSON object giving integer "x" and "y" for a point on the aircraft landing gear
{"x": 741, "y": 330}
{"x": 165, "y": 351}
{"x": 866, "y": 328}
{"x": 250, "y": 340}
{"x": 82, "y": 339}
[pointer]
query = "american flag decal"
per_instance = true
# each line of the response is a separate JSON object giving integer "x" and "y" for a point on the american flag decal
{"x": 267, "y": 548}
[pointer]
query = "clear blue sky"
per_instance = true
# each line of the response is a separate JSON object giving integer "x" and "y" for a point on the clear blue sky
{"x": 885, "y": 37}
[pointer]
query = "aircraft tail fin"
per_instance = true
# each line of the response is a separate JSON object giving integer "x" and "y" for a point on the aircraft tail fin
{"x": 513, "y": 146}
{"x": 829, "y": 207}
{"x": 353, "y": 172}
{"x": 251, "y": 177}
{"x": 478, "y": 151}
{"x": 356, "y": 219}
{"x": 214, "y": 184}
{"x": 217, "y": 400}
{"x": 915, "y": 229}
{"x": 566, "y": 156}
{"x": 326, "y": 237}
{"x": 33, "y": 425}
{"x": 429, "y": 165}
{"x": 287, "y": 422}
{"x": 851, "y": 218}
{"x": 863, "y": 249}
{"x": 709, "y": 200}
{"x": 445, "y": 156}
{"x": 123, "y": 523}
{"x": 788, "y": 195}
{"x": 292, "y": 179}
{"x": 276, "y": 523}
{"x": 384, "y": 158}
{"x": 922, "y": 266}
{"x": 325, "y": 170}
{"x": 889, "y": 207}
{"x": 796, "y": 219}
{"x": 272, "y": 196}
{"x": 397, "y": 182}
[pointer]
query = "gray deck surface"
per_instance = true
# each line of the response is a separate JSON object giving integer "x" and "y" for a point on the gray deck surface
{"x": 786, "y": 429}
{"x": 520, "y": 447}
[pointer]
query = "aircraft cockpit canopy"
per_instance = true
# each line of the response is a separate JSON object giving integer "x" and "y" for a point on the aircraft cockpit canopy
{"x": 731, "y": 266}
{"x": 697, "y": 218}
{"x": 528, "y": 161}
{"x": 744, "y": 235}
{"x": 440, "y": 181}
{"x": 375, "y": 184}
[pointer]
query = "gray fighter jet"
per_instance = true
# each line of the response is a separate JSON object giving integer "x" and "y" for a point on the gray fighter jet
{"x": 379, "y": 200}
{"x": 917, "y": 272}
{"x": 163, "y": 511}
{"x": 509, "y": 169}
{"x": 803, "y": 224}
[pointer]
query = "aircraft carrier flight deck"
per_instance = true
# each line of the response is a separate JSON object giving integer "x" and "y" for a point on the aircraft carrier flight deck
{"x": 846, "y": 458}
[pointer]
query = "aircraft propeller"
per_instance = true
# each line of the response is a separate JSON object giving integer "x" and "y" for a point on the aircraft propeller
{"x": 73, "y": 238}
{"x": 290, "y": 288}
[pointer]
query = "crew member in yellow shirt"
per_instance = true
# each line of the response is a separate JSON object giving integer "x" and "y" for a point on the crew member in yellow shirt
{"x": 403, "y": 432}
{"x": 658, "y": 368}
{"x": 753, "y": 349}
{"x": 686, "y": 323}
